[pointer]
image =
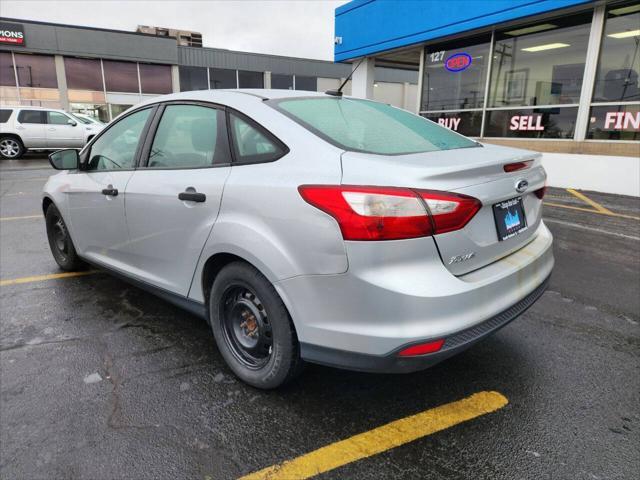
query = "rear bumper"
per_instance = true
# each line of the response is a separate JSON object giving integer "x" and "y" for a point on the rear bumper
{"x": 392, "y": 363}
{"x": 399, "y": 293}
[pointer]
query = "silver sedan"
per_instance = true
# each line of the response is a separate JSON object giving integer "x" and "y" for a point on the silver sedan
{"x": 307, "y": 227}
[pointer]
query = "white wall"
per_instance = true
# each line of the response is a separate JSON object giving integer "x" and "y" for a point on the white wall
{"x": 600, "y": 173}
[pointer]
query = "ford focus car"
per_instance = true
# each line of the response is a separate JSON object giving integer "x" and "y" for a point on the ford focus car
{"x": 307, "y": 227}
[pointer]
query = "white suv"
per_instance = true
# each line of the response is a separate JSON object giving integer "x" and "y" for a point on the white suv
{"x": 35, "y": 128}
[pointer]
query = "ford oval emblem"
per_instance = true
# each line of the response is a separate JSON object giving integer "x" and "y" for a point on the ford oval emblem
{"x": 522, "y": 186}
{"x": 458, "y": 62}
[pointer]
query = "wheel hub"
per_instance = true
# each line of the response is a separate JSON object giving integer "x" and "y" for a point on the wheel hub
{"x": 247, "y": 327}
{"x": 9, "y": 148}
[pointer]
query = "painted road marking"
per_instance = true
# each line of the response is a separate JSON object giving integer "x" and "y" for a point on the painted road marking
{"x": 587, "y": 200}
{"x": 590, "y": 210}
{"x": 591, "y": 229}
{"x": 42, "y": 278}
{"x": 25, "y": 217}
{"x": 383, "y": 438}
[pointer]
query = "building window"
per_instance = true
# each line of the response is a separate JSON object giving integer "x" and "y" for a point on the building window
{"x": 83, "y": 74}
{"x": 306, "y": 83}
{"x": 284, "y": 82}
{"x": 117, "y": 109}
{"x": 7, "y": 75}
{"x": 222, "y": 78}
{"x": 465, "y": 123}
{"x": 155, "y": 79}
{"x": 617, "y": 77}
{"x": 99, "y": 111}
{"x": 38, "y": 71}
{"x": 121, "y": 76}
{"x": 193, "y": 78}
{"x": 248, "y": 79}
{"x": 541, "y": 64}
{"x": 455, "y": 75}
{"x": 553, "y": 122}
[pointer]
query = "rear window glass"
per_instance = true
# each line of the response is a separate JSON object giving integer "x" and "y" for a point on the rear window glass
{"x": 371, "y": 127}
{"x": 4, "y": 115}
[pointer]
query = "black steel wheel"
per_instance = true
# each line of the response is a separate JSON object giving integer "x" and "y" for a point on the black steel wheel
{"x": 252, "y": 327}
{"x": 60, "y": 241}
{"x": 246, "y": 327}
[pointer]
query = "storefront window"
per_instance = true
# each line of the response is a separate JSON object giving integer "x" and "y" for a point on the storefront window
{"x": 284, "y": 82}
{"x": 611, "y": 122}
{"x": 37, "y": 71}
{"x": 98, "y": 111}
{"x": 466, "y": 123}
{"x": 222, "y": 78}
{"x": 83, "y": 73}
{"x": 250, "y": 79}
{"x": 117, "y": 109}
{"x": 554, "y": 122}
{"x": 193, "y": 78}
{"x": 7, "y": 75}
{"x": 306, "y": 83}
{"x": 155, "y": 79}
{"x": 121, "y": 76}
{"x": 540, "y": 64}
{"x": 455, "y": 75}
{"x": 617, "y": 77}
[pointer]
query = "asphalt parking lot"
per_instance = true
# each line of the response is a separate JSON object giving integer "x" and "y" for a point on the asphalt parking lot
{"x": 100, "y": 380}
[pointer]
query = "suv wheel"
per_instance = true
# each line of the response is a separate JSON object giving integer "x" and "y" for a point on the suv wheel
{"x": 252, "y": 327}
{"x": 11, "y": 147}
{"x": 60, "y": 241}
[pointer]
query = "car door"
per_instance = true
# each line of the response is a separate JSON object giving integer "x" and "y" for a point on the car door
{"x": 63, "y": 131}
{"x": 174, "y": 197}
{"x": 30, "y": 125}
{"x": 97, "y": 195}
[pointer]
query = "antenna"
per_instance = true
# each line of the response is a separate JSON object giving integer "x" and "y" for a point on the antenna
{"x": 338, "y": 92}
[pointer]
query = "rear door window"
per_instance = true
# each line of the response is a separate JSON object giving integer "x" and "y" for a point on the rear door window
{"x": 4, "y": 115}
{"x": 32, "y": 116}
{"x": 190, "y": 136}
{"x": 252, "y": 144}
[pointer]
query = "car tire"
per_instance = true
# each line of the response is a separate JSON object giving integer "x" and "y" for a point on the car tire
{"x": 252, "y": 327}
{"x": 62, "y": 248}
{"x": 11, "y": 147}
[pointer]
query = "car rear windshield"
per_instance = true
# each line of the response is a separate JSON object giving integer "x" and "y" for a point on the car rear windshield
{"x": 4, "y": 115}
{"x": 371, "y": 127}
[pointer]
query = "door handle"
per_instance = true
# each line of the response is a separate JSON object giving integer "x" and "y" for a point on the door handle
{"x": 192, "y": 196}
{"x": 112, "y": 192}
{"x": 52, "y": 129}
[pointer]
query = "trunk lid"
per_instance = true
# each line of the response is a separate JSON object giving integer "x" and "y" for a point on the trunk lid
{"x": 477, "y": 172}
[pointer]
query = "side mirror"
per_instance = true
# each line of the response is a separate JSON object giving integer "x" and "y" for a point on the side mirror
{"x": 67, "y": 159}
{"x": 72, "y": 123}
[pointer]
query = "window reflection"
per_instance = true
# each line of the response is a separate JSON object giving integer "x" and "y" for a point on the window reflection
{"x": 193, "y": 78}
{"x": 83, "y": 73}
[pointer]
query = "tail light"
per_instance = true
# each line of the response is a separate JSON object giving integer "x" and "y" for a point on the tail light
{"x": 540, "y": 192}
{"x": 390, "y": 213}
{"x": 513, "y": 167}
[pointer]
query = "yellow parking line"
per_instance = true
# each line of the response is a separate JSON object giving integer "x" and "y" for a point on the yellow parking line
{"x": 383, "y": 438}
{"x": 586, "y": 199}
{"x": 590, "y": 210}
{"x": 25, "y": 217}
{"x": 42, "y": 278}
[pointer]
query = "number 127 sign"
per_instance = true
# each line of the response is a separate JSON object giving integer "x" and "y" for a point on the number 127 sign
{"x": 458, "y": 62}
